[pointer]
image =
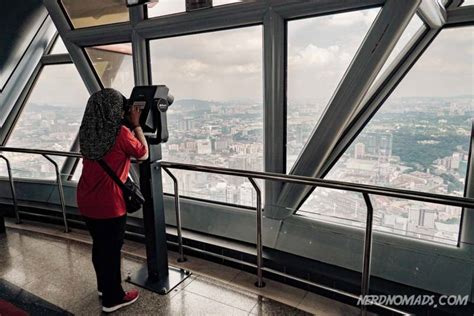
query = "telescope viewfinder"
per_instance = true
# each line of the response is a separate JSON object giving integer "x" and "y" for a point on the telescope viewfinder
{"x": 154, "y": 102}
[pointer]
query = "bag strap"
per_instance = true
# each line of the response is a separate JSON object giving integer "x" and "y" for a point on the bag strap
{"x": 112, "y": 174}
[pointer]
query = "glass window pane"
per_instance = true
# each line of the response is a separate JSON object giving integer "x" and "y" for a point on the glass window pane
{"x": 87, "y": 13}
{"x": 77, "y": 172}
{"x": 58, "y": 47}
{"x": 319, "y": 51}
{"x": 413, "y": 29}
{"x": 217, "y": 118}
{"x": 335, "y": 206}
{"x": 20, "y": 22}
{"x": 165, "y": 7}
{"x": 50, "y": 120}
{"x": 419, "y": 140}
{"x": 114, "y": 66}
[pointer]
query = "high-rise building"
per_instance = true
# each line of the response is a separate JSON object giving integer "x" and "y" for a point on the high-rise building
{"x": 359, "y": 151}
{"x": 204, "y": 147}
{"x": 456, "y": 160}
{"x": 422, "y": 217}
{"x": 378, "y": 145}
{"x": 186, "y": 124}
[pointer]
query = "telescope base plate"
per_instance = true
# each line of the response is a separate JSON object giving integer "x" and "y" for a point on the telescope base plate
{"x": 164, "y": 285}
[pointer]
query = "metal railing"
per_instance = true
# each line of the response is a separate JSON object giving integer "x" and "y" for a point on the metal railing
{"x": 365, "y": 190}
{"x": 12, "y": 189}
{"x": 46, "y": 154}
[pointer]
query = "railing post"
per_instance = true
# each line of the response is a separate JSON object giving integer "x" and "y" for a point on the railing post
{"x": 177, "y": 207}
{"x": 12, "y": 189}
{"x": 61, "y": 191}
{"x": 367, "y": 252}
{"x": 259, "y": 282}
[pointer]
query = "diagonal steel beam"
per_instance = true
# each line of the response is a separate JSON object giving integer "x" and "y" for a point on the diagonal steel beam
{"x": 17, "y": 89}
{"x": 81, "y": 62}
{"x": 382, "y": 89}
{"x": 460, "y": 16}
{"x": 379, "y": 42}
{"x": 380, "y": 93}
{"x": 77, "y": 54}
{"x": 432, "y": 13}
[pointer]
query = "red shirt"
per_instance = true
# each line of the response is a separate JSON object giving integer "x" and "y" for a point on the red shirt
{"x": 98, "y": 196}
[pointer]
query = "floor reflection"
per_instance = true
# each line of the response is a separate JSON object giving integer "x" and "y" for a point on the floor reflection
{"x": 60, "y": 272}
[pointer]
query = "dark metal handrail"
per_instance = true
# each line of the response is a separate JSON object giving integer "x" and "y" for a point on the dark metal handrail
{"x": 331, "y": 184}
{"x": 41, "y": 152}
{"x": 46, "y": 154}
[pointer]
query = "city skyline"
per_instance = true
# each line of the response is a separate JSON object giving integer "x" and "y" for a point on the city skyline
{"x": 230, "y": 135}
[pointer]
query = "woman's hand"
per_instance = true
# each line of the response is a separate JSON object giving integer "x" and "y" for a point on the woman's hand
{"x": 135, "y": 113}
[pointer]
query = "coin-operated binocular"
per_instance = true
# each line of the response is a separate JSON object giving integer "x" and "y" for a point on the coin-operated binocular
{"x": 154, "y": 102}
{"x": 156, "y": 275}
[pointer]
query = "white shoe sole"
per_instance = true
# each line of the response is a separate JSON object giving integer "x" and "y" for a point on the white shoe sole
{"x": 117, "y": 307}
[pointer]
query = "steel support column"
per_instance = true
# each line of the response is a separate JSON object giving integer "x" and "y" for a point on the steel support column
{"x": 156, "y": 275}
{"x": 274, "y": 52}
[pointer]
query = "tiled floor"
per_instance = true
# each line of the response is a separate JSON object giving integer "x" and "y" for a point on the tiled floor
{"x": 60, "y": 271}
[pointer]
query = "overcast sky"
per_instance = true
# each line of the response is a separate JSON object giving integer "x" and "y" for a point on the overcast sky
{"x": 227, "y": 65}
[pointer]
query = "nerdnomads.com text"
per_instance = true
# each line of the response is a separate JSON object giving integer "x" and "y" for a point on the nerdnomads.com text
{"x": 414, "y": 300}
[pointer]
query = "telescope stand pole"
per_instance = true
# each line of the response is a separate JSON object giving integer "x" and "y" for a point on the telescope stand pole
{"x": 156, "y": 275}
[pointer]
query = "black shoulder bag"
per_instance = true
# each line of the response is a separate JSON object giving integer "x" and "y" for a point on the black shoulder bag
{"x": 131, "y": 192}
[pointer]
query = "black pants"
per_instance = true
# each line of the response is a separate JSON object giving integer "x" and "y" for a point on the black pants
{"x": 107, "y": 236}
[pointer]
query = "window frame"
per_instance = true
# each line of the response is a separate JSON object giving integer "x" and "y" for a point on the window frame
{"x": 71, "y": 24}
{"x": 243, "y": 206}
{"x": 91, "y": 64}
{"x": 288, "y": 170}
{"x": 47, "y": 60}
{"x": 32, "y": 39}
{"x": 50, "y": 60}
{"x": 247, "y": 15}
{"x": 377, "y": 88}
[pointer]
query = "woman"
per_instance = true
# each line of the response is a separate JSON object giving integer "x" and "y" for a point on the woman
{"x": 99, "y": 198}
